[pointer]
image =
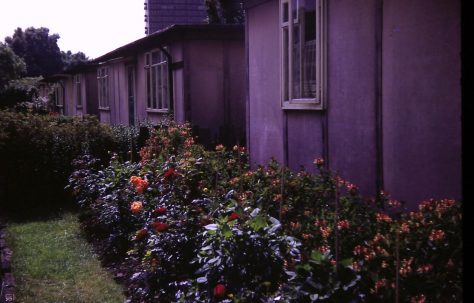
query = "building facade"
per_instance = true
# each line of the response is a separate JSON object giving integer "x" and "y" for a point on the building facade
{"x": 373, "y": 87}
{"x": 193, "y": 73}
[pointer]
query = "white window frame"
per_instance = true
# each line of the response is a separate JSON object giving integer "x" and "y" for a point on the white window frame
{"x": 157, "y": 82}
{"x": 287, "y": 100}
{"x": 103, "y": 87}
{"x": 78, "y": 90}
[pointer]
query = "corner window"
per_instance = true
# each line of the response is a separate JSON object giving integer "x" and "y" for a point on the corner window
{"x": 103, "y": 87}
{"x": 78, "y": 90}
{"x": 303, "y": 53}
{"x": 157, "y": 82}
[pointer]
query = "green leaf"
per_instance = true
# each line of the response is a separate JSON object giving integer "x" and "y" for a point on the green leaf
{"x": 226, "y": 231}
{"x": 346, "y": 262}
{"x": 257, "y": 223}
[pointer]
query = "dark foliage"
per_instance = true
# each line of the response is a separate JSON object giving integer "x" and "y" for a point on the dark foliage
{"x": 38, "y": 49}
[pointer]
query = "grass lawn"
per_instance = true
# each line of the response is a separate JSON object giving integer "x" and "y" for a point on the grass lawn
{"x": 52, "y": 264}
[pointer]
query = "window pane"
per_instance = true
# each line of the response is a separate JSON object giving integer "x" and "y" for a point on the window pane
{"x": 285, "y": 12}
{"x": 165, "y": 86}
{"x": 296, "y": 63}
{"x": 148, "y": 88}
{"x": 294, "y": 9}
{"x": 309, "y": 49}
{"x": 155, "y": 57}
{"x": 158, "y": 86}
{"x": 285, "y": 64}
{"x": 153, "y": 87}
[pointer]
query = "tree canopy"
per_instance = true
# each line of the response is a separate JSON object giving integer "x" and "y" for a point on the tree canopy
{"x": 71, "y": 60}
{"x": 38, "y": 49}
{"x": 11, "y": 66}
{"x": 224, "y": 11}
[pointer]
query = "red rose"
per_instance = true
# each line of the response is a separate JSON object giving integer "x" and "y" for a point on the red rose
{"x": 159, "y": 227}
{"x": 140, "y": 234}
{"x": 170, "y": 173}
{"x": 232, "y": 217}
{"x": 160, "y": 210}
{"x": 219, "y": 290}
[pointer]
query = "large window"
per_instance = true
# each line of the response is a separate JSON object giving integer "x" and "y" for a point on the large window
{"x": 157, "y": 82}
{"x": 78, "y": 90}
{"x": 103, "y": 87}
{"x": 58, "y": 95}
{"x": 303, "y": 53}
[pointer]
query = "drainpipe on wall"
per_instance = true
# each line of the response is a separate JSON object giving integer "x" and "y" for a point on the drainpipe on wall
{"x": 379, "y": 96}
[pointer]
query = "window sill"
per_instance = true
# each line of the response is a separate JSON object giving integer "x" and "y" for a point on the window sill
{"x": 159, "y": 111}
{"x": 302, "y": 106}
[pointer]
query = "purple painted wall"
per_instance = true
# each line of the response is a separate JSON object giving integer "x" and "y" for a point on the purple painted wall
{"x": 422, "y": 98}
{"x": 351, "y": 140}
{"x": 393, "y": 111}
{"x": 265, "y": 123}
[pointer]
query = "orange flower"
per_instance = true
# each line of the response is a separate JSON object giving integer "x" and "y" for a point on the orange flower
{"x": 381, "y": 217}
{"x": 325, "y": 231}
{"x": 136, "y": 207}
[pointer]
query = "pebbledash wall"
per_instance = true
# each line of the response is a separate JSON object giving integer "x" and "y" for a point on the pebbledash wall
{"x": 392, "y": 118}
{"x": 207, "y": 70}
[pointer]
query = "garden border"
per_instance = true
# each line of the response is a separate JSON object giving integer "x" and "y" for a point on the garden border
{"x": 7, "y": 282}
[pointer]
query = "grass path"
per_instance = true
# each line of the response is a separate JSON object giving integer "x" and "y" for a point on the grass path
{"x": 53, "y": 264}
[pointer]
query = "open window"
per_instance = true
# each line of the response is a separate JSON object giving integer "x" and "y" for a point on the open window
{"x": 303, "y": 54}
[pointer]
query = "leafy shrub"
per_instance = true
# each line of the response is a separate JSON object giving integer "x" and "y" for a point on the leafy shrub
{"x": 200, "y": 226}
{"x": 36, "y": 152}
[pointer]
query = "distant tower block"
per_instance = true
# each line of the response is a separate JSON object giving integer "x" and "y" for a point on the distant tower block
{"x": 160, "y": 14}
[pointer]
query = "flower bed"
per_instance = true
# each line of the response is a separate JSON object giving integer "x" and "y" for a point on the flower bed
{"x": 200, "y": 226}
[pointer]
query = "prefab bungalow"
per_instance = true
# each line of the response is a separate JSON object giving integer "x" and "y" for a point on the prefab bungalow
{"x": 74, "y": 92}
{"x": 373, "y": 87}
{"x": 193, "y": 73}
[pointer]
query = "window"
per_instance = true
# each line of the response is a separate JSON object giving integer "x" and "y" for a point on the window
{"x": 157, "y": 84}
{"x": 103, "y": 87}
{"x": 58, "y": 95}
{"x": 303, "y": 53}
{"x": 78, "y": 88}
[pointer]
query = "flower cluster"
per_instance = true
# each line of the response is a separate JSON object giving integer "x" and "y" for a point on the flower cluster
{"x": 139, "y": 184}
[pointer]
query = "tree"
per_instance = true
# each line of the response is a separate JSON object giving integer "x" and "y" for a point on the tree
{"x": 11, "y": 66}
{"x": 39, "y": 50}
{"x": 71, "y": 60}
{"x": 224, "y": 11}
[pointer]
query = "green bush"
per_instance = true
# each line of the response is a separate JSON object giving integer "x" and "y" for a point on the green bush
{"x": 36, "y": 152}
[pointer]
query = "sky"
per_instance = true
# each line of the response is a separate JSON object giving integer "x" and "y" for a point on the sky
{"x": 93, "y": 27}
